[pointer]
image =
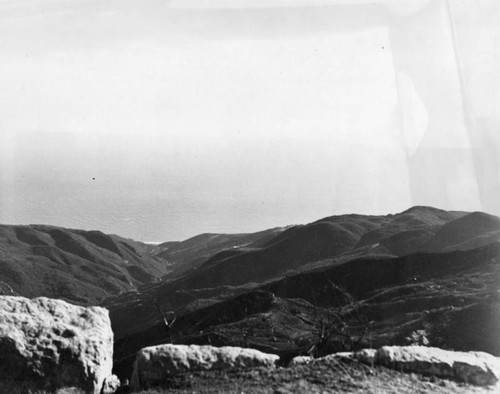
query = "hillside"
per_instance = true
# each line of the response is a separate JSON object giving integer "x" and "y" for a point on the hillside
{"x": 334, "y": 284}
{"x": 341, "y": 238}
{"x": 372, "y": 279}
{"x": 82, "y": 267}
{"x": 189, "y": 254}
{"x": 451, "y": 298}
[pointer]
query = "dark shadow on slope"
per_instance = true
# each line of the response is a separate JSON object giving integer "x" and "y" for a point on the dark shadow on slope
{"x": 101, "y": 240}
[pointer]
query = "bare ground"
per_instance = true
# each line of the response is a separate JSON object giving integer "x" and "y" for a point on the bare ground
{"x": 330, "y": 376}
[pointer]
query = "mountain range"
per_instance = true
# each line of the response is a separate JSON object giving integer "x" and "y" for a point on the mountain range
{"x": 424, "y": 275}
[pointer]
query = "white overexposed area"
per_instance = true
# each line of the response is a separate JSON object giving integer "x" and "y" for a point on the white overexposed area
{"x": 158, "y": 120}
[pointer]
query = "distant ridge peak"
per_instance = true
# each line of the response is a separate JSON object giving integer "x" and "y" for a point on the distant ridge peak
{"x": 481, "y": 214}
{"x": 417, "y": 208}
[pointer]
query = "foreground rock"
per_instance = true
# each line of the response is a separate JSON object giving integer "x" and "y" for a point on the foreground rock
{"x": 476, "y": 368}
{"x": 154, "y": 365}
{"x": 50, "y": 344}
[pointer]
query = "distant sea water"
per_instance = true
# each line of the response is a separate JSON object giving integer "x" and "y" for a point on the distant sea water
{"x": 156, "y": 201}
{"x": 140, "y": 215}
{"x": 155, "y": 211}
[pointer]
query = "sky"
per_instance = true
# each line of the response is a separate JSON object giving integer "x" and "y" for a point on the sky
{"x": 159, "y": 120}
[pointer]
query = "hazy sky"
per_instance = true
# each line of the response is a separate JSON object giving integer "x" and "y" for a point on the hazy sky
{"x": 159, "y": 120}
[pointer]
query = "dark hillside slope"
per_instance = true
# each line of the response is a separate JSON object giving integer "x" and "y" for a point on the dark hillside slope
{"x": 416, "y": 271}
{"x": 419, "y": 219}
{"x": 334, "y": 239}
{"x": 362, "y": 278}
{"x": 473, "y": 230}
{"x": 186, "y": 255}
{"x": 79, "y": 266}
{"x": 320, "y": 245}
{"x": 291, "y": 249}
{"x": 381, "y": 301}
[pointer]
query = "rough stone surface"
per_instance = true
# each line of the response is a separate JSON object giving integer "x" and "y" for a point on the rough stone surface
{"x": 300, "y": 360}
{"x": 476, "y": 368}
{"x": 472, "y": 367}
{"x": 347, "y": 355}
{"x": 367, "y": 356}
{"x": 111, "y": 385}
{"x": 153, "y": 365}
{"x": 50, "y": 344}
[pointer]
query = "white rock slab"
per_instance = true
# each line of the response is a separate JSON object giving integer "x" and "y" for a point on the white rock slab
{"x": 367, "y": 356}
{"x": 154, "y": 365}
{"x": 300, "y": 360}
{"x": 476, "y": 368}
{"x": 50, "y": 344}
{"x": 471, "y": 367}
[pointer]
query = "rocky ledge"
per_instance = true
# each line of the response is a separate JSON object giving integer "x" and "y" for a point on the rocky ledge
{"x": 477, "y": 368}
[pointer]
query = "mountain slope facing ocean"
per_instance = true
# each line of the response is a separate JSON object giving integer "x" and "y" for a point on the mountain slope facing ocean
{"x": 82, "y": 267}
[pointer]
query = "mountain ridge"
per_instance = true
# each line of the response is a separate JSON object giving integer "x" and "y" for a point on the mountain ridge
{"x": 373, "y": 279}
